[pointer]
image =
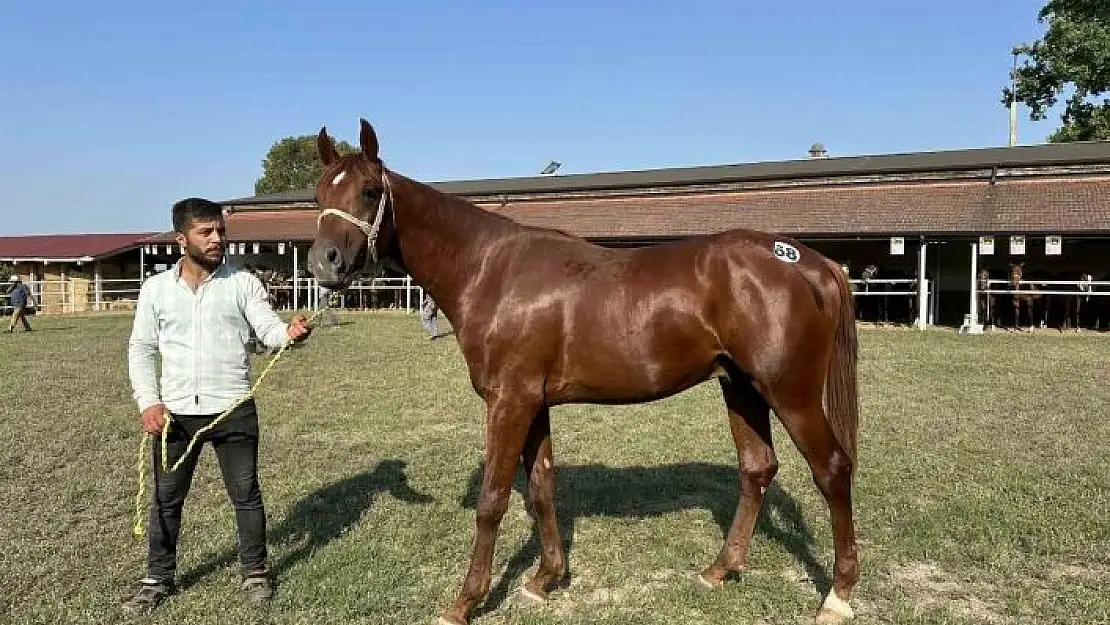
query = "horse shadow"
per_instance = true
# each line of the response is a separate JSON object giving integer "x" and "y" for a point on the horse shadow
{"x": 642, "y": 492}
{"x": 321, "y": 517}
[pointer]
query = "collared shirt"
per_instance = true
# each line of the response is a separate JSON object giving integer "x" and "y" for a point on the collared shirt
{"x": 202, "y": 338}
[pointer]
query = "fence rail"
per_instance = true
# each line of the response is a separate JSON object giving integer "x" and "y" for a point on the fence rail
{"x": 1078, "y": 292}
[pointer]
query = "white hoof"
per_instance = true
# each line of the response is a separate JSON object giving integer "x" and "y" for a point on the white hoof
{"x": 704, "y": 583}
{"x": 531, "y": 596}
{"x": 834, "y": 610}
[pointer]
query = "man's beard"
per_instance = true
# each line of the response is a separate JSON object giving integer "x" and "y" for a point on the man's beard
{"x": 196, "y": 254}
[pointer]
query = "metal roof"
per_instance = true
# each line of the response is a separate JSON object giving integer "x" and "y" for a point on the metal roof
{"x": 1033, "y": 156}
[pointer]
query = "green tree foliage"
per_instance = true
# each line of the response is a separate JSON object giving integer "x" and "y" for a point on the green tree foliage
{"x": 293, "y": 164}
{"x": 1072, "y": 59}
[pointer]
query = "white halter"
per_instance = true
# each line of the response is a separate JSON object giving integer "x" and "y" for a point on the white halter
{"x": 370, "y": 230}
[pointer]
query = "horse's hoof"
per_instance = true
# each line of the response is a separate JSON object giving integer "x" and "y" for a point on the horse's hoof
{"x": 834, "y": 611}
{"x": 531, "y": 596}
{"x": 704, "y": 585}
{"x": 449, "y": 620}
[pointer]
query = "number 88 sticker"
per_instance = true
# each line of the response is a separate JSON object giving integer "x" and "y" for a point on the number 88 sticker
{"x": 786, "y": 253}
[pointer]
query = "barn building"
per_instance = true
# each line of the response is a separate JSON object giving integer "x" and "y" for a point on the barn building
{"x": 911, "y": 229}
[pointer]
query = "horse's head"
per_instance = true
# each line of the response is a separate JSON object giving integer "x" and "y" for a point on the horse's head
{"x": 1017, "y": 270}
{"x": 869, "y": 272}
{"x": 354, "y": 196}
{"x": 984, "y": 279}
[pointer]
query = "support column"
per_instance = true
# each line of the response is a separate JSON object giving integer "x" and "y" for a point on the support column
{"x": 142, "y": 266}
{"x": 97, "y": 277}
{"x": 296, "y": 293}
{"x": 408, "y": 293}
{"x": 922, "y": 287}
{"x": 973, "y": 325}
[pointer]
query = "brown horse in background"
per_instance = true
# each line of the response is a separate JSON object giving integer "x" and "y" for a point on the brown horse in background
{"x": 543, "y": 318}
{"x": 1025, "y": 295}
{"x": 986, "y": 300}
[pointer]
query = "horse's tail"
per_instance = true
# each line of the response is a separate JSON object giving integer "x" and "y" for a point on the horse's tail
{"x": 841, "y": 383}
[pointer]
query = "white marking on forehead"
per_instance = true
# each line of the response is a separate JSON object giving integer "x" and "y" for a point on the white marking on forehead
{"x": 338, "y": 178}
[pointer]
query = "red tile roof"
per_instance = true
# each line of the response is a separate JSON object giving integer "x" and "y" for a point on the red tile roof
{"x": 1053, "y": 205}
{"x": 67, "y": 246}
{"x": 1058, "y": 205}
{"x": 270, "y": 225}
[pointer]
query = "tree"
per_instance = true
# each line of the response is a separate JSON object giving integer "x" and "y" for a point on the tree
{"x": 1073, "y": 56}
{"x": 293, "y": 164}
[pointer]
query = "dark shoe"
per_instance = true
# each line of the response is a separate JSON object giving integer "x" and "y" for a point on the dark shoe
{"x": 258, "y": 589}
{"x": 151, "y": 592}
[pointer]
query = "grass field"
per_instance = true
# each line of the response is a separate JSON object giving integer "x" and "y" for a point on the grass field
{"x": 983, "y": 494}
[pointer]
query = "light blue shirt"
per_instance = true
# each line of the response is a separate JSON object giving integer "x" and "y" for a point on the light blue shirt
{"x": 201, "y": 337}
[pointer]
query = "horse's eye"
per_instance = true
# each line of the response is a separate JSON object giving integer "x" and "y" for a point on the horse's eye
{"x": 369, "y": 194}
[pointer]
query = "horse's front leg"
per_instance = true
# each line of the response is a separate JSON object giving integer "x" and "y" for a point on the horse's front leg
{"x": 508, "y": 418}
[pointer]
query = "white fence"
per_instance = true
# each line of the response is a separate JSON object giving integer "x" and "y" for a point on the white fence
{"x": 76, "y": 295}
{"x": 378, "y": 293}
{"x": 1053, "y": 289}
{"x": 902, "y": 286}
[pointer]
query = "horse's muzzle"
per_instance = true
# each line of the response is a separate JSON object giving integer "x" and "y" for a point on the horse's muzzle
{"x": 327, "y": 265}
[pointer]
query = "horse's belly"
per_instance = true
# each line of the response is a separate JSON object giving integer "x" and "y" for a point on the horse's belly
{"x": 608, "y": 375}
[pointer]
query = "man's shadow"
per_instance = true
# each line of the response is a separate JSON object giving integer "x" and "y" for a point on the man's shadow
{"x": 642, "y": 492}
{"x": 322, "y": 516}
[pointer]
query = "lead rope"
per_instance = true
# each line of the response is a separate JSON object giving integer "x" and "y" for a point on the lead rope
{"x": 139, "y": 529}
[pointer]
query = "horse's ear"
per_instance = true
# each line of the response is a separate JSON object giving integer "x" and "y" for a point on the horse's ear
{"x": 324, "y": 145}
{"x": 368, "y": 139}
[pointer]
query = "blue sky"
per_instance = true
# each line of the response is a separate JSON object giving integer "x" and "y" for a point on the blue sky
{"x": 111, "y": 111}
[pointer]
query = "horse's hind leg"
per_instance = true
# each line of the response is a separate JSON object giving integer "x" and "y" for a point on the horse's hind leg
{"x": 749, "y": 419}
{"x": 832, "y": 472}
{"x": 539, "y": 467}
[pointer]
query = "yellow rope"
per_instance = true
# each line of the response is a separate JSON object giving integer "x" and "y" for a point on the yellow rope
{"x": 139, "y": 529}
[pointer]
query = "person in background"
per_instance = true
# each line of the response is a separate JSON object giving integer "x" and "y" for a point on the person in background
{"x": 19, "y": 296}
{"x": 327, "y": 299}
{"x": 429, "y": 311}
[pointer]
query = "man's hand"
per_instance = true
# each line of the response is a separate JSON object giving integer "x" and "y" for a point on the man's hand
{"x": 299, "y": 328}
{"x": 153, "y": 419}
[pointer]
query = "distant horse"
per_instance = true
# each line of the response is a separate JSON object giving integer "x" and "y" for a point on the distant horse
{"x": 875, "y": 305}
{"x": 543, "y": 318}
{"x": 1082, "y": 305}
{"x": 1025, "y": 295}
{"x": 280, "y": 295}
{"x": 986, "y": 300}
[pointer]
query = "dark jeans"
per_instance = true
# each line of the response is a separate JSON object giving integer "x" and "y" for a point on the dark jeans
{"x": 235, "y": 441}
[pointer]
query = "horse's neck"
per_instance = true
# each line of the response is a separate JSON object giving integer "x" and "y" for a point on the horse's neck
{"x": 441, "y": 239}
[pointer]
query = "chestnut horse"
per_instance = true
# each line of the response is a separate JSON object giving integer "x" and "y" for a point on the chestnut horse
{"x": 1026, "y": 294}
{"x": 543, "y": 318}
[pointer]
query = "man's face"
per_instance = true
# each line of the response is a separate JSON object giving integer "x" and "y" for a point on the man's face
{"x": 204, "y": 241}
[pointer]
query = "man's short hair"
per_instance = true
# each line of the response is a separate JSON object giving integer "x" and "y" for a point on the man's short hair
{"x": 194, "y": 209}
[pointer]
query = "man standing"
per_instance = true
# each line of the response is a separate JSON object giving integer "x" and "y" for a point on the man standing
{"x": 18, "y": 297}
{"x": 198, "y": 317}
{"x": 428, "y": 313}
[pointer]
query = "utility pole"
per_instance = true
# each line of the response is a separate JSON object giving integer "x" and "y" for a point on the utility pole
{"x": 1013, "y": 103}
